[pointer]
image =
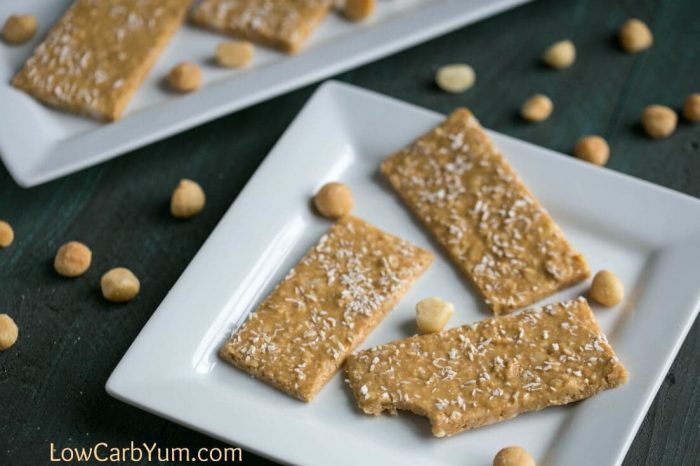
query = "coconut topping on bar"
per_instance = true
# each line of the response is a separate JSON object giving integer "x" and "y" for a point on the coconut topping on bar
{"x": 325, "y": 306}
{"x": 489, "y": 371}
{"x": 472, "y": 201}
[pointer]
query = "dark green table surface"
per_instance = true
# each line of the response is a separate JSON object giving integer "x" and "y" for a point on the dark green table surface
{"x": 52, "y": 381}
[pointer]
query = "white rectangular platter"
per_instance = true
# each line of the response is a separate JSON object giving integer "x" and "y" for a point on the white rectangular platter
{"x": 648, "y": 235}
{"x": 38, "y": 144}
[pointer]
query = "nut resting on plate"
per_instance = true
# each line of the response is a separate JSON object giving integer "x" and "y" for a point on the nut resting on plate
{"x": 455, "y": 78}
{"x": 560, "y": 55}
{"x": 8, "y": 332}
{"x": 234, "y": 54}
{"x": 537, "y": 108}
{"x": 635, "y": 36}
{"x": 19, "y": 29}
{"x": 432, "y": 314}
{"x": 7, "y": 235}
{"x": 659, "y": 121}
{"x": 593, "y": 149}
{"x": 357, "y": 10}
{"x": 72, "y": 259}
{"x": 185, "y": 77}
{"x": 691, "y": 107}
{"x": 334, "y": 200}
{"x": 513, "y": 456}
{"x": 188, "y": 199}
{"x": 119, "y": 285}
{"x": 607, "y": 289}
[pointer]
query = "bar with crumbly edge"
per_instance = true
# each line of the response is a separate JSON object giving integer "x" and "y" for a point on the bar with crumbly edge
{"x": 472, "y": 201}
{"x": 328, "y": 303}
{"x": 283, "y": 25}
{"x": 490, "y": 371}
{"x": 98, "y": 53}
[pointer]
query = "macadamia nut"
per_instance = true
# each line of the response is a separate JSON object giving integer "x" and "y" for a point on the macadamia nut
{"x": 234, "y": 54}
{"x": 659, "y": 121}
{"x": 593, "y": 149}
{"x": 8, "y": 332}
{"x": 334, "y": 200}
{"x": 607, "y": 289}
{"x": 537, "y": 108}
{"x": 513, "y": 456}
{"x": 357, "y": 10}
{"x": 7, "y": 235}
{"x": 185, "y": 77}
{"x": 691, "y": 108}
{"x": 119, "y": 285}
{"x": 19, "y": 29}
{"x": 187, "y": 200}
{"x": 455, "y": 78}
{"x": 432, "y": 314}
{"x": 560, "y": 55}
{"x": 72, "y": 259}
{"x": 635, "y": 36}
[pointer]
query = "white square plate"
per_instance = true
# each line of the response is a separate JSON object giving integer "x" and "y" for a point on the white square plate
{"x": 38, "y": 144}
{"x": 648, "y": 235}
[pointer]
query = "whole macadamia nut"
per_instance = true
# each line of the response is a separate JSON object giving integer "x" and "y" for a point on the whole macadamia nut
{"x": 593, "y": 149}
{"x": 537, "y": 108}
{"x": 119, "y": 285}
{"x": 513, "y": 456}
{"x": 659, "y": 121}
{"x": 455, "y": 78}
{"x": 19, "y": 29}
{"x": 607, "y": 289}
{"x": 72, "y": 259}
{"x": 234, "y": 54}
{"x": 432, "y": 314}
{"x": 187, "y": 200}
{"x": 560, "y": 55}
{"x": 691, "y": 108}
{"x": 635, "y": 36}
{"x": 8, "y": 332}
{"x": 185, "y": 77}
{"x": 7, "y": 235}
{"x": 357, "y": 10}
{"x": 334, "y": 200}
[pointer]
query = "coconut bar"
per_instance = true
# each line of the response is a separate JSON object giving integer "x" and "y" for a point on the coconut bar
{"x": 328, "y": 303}
{"x": 489, "y": 371}
{"x": 495, "y": 231}
{"x": 284, "y": 25}
{"x": 99, "y": 52}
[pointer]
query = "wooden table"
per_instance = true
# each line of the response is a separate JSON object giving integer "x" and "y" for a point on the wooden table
{"x": 52, "y": 381}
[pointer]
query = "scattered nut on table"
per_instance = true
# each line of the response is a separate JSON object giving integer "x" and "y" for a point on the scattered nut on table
{"x": 188, "y": 199}
{"x": 432, "y": 314}
{"x": 513, "y": 456}
{"x": 455, "y": 78}
{"x": 607, "y": 289}
{"x": 72, "y": 259}
{"x": 593, "y": 149}
{"x": 357, "y": 10}
{"x": 234, "y": 54}
{"x": 7, "y": 235}
{"x": 659, "y": 121}
{"x": 119, "y": 285}
{"x": 19, "y": 29}
{"x": 635, "y": 36}
{"x": 560, "y": 54}
{"x": 185, "y": 77}
{"x": 334, "y": 200}
{"x": 8, "y": 332}
{"x": 691, "y": 107}
{"x": 537, "y": 108}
